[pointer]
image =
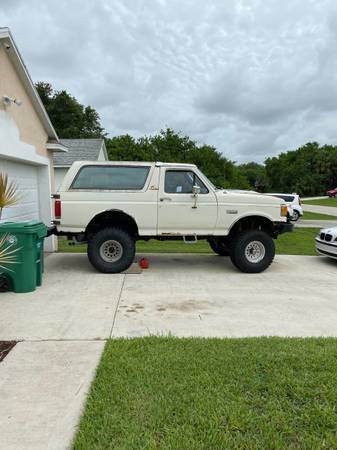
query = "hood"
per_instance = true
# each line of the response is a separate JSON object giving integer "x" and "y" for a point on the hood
{"x": 248, "y": 197}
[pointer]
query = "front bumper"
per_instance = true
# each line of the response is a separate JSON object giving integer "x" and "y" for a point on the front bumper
{"x": 282, "y": 227}
{"x": 326, "y": 249}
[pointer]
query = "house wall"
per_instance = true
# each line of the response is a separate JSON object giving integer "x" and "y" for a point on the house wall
{"x": 101, "y": 156}
{"x": 23, "y": 141}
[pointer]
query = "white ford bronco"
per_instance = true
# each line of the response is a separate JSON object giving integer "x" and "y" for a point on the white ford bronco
{"x": 111, "y": 205}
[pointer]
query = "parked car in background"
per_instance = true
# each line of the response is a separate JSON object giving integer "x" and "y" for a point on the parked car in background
{"x": 326, "y": 242}
{"x": 293, "y": 202}
{"x": 332, "y": 193}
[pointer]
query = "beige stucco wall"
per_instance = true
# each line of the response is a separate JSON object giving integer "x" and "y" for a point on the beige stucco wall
{"x": 29, "y": 125}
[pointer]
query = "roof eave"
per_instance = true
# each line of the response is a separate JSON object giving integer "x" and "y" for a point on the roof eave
{"x": 56, "y": 147}
{"x": 15, "y": 57}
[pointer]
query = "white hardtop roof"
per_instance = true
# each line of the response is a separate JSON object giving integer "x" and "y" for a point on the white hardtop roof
{"x": 132, "y": 163}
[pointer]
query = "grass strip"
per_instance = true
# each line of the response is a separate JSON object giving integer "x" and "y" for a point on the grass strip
{"x": 256, "y": 393}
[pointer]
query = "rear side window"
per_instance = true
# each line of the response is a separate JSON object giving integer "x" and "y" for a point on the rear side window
{"x": 111, "y": 178}
{"x": 286, "y": 198}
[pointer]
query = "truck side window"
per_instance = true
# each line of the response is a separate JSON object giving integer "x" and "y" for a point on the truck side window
{"x": 182, "y": 181}
{"x": 111, "y": 177}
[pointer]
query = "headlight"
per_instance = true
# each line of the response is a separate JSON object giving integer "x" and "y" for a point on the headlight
{"x": 284, "y": 210}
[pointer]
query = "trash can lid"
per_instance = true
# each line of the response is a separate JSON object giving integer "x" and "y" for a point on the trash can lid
{"x": 26, "y": 227}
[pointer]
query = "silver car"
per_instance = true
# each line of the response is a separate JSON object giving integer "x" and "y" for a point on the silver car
{"x": 326, "y": 242}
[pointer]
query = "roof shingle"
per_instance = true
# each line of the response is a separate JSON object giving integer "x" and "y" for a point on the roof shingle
{"x": 78, "y": 150}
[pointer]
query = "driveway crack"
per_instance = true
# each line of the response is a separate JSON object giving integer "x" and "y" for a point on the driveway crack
{"x": 117, "y": 306}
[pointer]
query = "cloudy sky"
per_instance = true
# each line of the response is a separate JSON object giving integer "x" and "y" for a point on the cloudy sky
{"x": 252, "y": 77}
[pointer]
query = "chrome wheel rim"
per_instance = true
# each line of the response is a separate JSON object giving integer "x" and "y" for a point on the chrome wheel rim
{"x": 111, "y": 251}
{"x": 295, "y": 216}
{"x": 255, "y": 252}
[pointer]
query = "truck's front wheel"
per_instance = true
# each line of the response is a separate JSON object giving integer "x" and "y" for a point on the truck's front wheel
{"x": 252, "y": 251}
{"x": 111, "y": 250}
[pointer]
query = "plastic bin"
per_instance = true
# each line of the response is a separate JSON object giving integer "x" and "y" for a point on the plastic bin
{"x": 21, "y": 255}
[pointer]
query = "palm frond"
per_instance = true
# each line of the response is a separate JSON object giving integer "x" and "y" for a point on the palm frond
{"x": 9, "y": 195}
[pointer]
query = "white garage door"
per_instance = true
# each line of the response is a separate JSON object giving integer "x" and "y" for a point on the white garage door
{"x": 26, "y": 177}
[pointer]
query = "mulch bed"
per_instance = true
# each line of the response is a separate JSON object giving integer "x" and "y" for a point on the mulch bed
{"x": 5, "y": 348}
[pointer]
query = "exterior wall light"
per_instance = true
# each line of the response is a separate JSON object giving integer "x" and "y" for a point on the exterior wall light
{"x": 7, "y": 101}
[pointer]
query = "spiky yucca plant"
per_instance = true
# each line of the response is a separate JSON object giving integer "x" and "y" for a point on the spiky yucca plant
{"x": 7, "y": 253}
{"x": 8, "y": 192}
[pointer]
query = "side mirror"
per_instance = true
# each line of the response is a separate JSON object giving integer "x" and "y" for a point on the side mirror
{"x": 196, "y": 190}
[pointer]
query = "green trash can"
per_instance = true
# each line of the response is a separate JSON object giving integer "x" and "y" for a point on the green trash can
{"x": 21, "y": 255}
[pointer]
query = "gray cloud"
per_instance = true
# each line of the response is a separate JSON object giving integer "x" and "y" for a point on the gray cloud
{"x": 251, "y": 77}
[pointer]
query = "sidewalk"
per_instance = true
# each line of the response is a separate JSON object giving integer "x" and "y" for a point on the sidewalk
{"x": 320, "y": 209}
{"x": 316, "y": 223}
{"x": 43, "y": 387}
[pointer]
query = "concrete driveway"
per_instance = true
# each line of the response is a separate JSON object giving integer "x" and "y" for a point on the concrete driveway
{"x": 190, "y": 295}
{"x": 63, "y": 325}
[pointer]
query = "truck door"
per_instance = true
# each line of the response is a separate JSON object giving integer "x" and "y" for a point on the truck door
{"x": 179, "y": 211}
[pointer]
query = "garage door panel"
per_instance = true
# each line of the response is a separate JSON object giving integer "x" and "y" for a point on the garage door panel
{"x": 26, "y": 177}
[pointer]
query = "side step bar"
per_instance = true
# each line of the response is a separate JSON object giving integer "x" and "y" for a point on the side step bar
{"x": 190, "y": 239}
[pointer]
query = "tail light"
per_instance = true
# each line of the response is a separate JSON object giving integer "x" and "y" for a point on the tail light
{"x": 57, "y": 209}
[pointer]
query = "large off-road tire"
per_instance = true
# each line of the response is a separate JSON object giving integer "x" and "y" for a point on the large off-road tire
{"x": 252, "y": 251}
{"x": 219, "y": 247}
{"x": 111, "y": 250}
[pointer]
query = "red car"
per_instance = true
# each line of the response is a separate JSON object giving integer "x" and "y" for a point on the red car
{"x": 332, "y": 192}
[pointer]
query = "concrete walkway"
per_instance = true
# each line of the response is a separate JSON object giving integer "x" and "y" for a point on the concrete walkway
{"x": 316, "y": 223}
{"x": 332, "y": 210}
{"x": 314, "y": 198}
{"x": 64, "y": 324}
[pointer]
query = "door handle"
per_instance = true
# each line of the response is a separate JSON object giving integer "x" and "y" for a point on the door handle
{"x": 163, "y": 199}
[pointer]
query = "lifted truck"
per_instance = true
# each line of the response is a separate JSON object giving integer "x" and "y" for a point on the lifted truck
{"x": 111, "y": 205}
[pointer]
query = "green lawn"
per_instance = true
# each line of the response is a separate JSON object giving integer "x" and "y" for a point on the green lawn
{"x": 160, "y": 393}
{"x": 299, "y": 242}
{"x": 317, "y": 216}
{"x": 322, "y": 202}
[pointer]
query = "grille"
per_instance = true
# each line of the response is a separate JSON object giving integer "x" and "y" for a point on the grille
{"x": 326, "y": 237}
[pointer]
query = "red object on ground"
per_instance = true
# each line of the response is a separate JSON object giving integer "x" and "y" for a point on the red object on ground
{"x": 144, "y": 263}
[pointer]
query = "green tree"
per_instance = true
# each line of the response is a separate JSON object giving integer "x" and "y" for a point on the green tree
{"x": 69, "y": 117}
{"x": 309, "y": 170}
{"x": 170, "y": 146}
{"x": 255, "y": 174}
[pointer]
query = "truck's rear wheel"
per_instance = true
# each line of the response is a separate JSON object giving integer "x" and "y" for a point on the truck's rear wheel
{"x": 218, "y": 247}
{"x": 111, "y": 250}
{"x": 252, "y": 251}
